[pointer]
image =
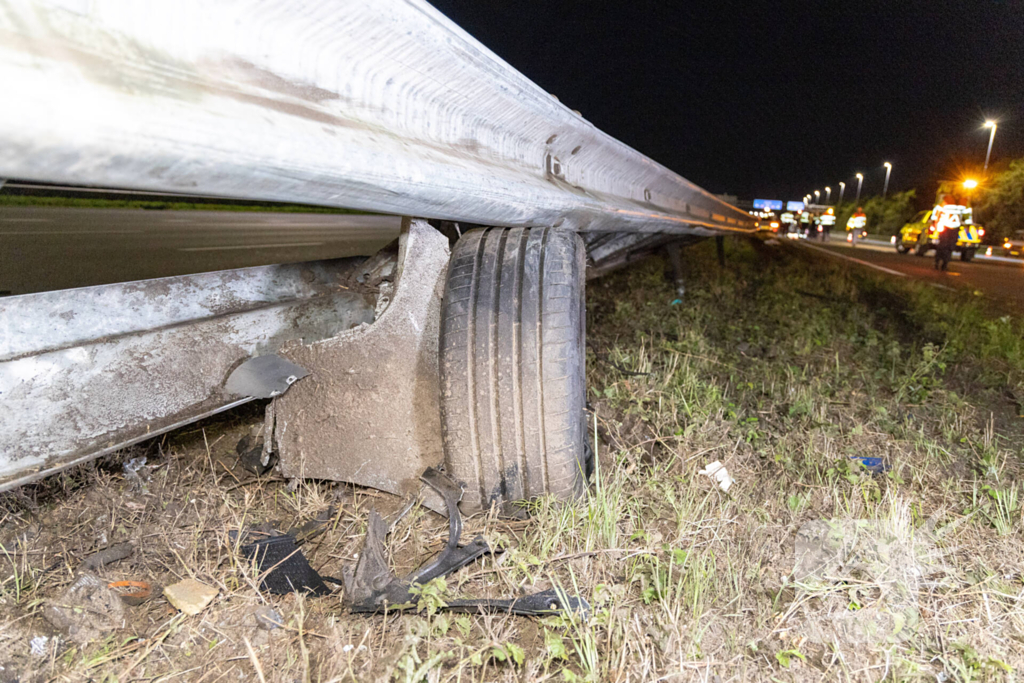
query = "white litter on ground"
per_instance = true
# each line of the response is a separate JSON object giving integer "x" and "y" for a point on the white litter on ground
{"x": 716, "y": 470}
{"x": 38, "y": 645}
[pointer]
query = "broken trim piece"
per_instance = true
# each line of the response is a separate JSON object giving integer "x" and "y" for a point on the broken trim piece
{"x": 369, "y": 413}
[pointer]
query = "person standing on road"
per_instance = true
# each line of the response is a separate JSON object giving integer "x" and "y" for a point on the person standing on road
{"x": 828, "y": 220}
{"x": 805, "y": 223}
{"x": 947, "y": 223}
{"x": 857, "y": 223}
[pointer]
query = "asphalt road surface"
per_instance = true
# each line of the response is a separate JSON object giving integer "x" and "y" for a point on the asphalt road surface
{"x": 44, "y": 248}
{"x": 1001, "y": 281}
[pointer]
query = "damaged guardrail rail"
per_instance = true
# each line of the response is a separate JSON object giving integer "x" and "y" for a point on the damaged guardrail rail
{"x": 381, "y": 105}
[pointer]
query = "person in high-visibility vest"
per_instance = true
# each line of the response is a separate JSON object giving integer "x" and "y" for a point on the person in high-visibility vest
{"x": 946, "y": 219}
{"x": 857, "y": 223}
{"x": 827, "y": 221}
{"x": 805, "y": 223}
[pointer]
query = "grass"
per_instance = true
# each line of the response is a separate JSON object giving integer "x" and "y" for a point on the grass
{"x": 786, "y": 369}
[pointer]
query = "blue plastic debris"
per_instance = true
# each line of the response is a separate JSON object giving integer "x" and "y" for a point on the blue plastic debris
{"x": 676, "y": 301}
{"x": 873, "y": 465}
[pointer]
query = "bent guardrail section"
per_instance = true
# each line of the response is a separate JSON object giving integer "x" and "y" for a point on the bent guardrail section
{"x": 87, "y": 371}
{"x": 381, "y": 105}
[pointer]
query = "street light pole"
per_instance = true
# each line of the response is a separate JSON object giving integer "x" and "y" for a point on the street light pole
{"x": 860, "y": 181}
{"x": 991, "y": 137}
{"x": 828, "y": 194}
{"x": 888, "y": 170}
{"x": 842, "y": 191}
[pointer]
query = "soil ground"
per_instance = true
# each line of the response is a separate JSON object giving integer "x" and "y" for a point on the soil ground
{"x": 787, "y": 368}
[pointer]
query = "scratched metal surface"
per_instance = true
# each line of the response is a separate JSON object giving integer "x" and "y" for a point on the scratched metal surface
{"x": 382, "y": 105}
{"x": 87, "y": 371}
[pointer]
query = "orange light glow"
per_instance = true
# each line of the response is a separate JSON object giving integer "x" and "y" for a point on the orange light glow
{"x": 970, "y": 183}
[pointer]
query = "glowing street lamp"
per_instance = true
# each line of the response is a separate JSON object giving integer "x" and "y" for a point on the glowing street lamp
{"x": 970, "y": 184}
{"x": 992, "y": 136}
{"x": 817, "y": 196}
{"x": 860, "y": 182}
{"x": 828, "y": 194}
{"x": 842, "y": 191}
{"x": 888, "y": 170}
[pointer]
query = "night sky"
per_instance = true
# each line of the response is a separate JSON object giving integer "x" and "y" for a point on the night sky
{"x": 775, "y": 99}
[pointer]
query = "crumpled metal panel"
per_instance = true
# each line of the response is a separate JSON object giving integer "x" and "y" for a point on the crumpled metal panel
{"x": 86, "y": 371}
{"x": 383, "y": 105}
{"x": 369, "y": 412}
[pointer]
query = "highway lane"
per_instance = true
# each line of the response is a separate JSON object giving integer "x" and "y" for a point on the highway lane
{"x": 1002, "y": 281}
{"x": 45, "y": 248}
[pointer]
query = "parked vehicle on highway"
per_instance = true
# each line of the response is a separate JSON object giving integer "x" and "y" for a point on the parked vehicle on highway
{"x": 922, "y": 233}
{"x": 1014, "y": 245}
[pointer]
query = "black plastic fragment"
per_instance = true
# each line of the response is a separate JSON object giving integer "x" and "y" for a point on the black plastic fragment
{"x": 284, "y": 568}
{"x": 371, "y": 587}
{"x": 544, "y": 603}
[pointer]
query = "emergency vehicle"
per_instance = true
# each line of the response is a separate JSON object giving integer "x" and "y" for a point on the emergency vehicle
{"x": 765, "y": 220}
{"x": 922, "y": 233}
{"x": 1014, "y": 245}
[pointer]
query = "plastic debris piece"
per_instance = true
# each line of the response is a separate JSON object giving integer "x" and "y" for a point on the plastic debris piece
{"x": 676, "y": 302}
{"x": 283, "y": 567}
{"x": 132, "y": 468}
{"x": 716, "y": 470}
{"x": 267, "y": 618}
{"x": 139, "y": 593}
{"x": 108, "y": 555}
{"x": 253, "y": 455}
{"x": 87, "y": 610}
{"x": 190, "y": 596}
{"x": 371, "y": 587}
{"x": 873, "y": 465}
{"x": 39, "y": 645}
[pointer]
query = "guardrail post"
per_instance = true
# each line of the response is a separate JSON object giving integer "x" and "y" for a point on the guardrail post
{"x": 720, "y": 249}
{"x": 676, "y": 259}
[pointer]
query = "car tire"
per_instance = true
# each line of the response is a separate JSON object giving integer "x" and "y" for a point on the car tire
{"x": 967, "y": 255}
{"x": 921, "y": 249}
{"x": 900, "y": 247}
{"x": 513, "y": 365}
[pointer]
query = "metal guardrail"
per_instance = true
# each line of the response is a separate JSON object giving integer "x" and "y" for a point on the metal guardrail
{"x": 381, "y": 105}
{"x": 87, "y": 371}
